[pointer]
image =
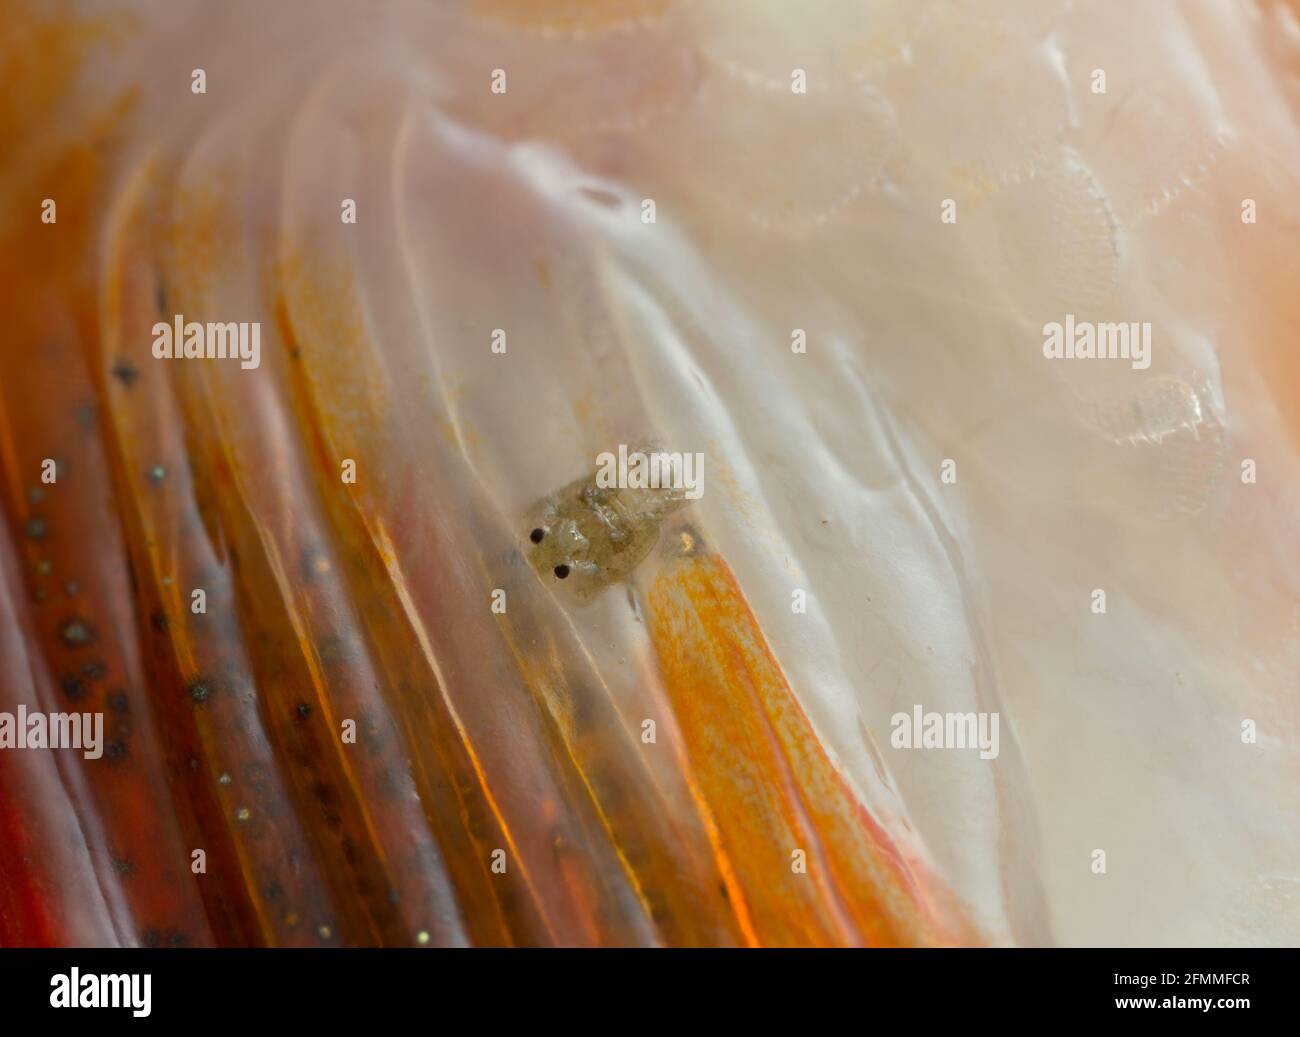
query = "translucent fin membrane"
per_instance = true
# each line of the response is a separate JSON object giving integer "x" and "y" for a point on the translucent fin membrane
{"x": 368, "y": 641}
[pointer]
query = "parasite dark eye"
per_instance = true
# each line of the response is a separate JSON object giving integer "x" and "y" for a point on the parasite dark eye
{"x": 536, "y": 535}
{"x": 561, "y": 571}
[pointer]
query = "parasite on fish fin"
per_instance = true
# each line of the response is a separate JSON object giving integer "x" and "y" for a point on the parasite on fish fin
{"x": 590, "y": 536}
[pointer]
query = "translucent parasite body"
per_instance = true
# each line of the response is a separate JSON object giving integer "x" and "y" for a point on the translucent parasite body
{"x": 590, "y": 536}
